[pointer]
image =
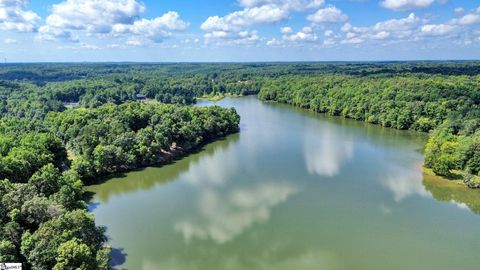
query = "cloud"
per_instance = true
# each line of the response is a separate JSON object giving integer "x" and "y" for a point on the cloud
{"x": 136, "y": 42}
{"x": 93, "y": 16}
{"x": 14, "y": 17}
{"x": 403, "y": 25}
{"x": 459, "y": 11}
{"x": 155, "y": 29}
{"x": 380, "y": 35}
{"x": 410, "y": 29}
{"x": 406, "y": 4}
{"x": 80, "y": 46}
{"x": 10, "y": 41}
{"x": 274, "y": 42}
{"x": 254, "y": 12}
{"x": 107, "y": 17}
{"x": 286, "y": 30}
{"x": 305, "y": 35}
{"x": 297, "y": 5}
{"x": 468, "y": 19}
{"x": 328, "y": 33}
{"x": 114, "y": 46}
{"x": 437, "y": 29}
{"x": 395, "y": 29}
{"x": 246, "y": 17}
{"x": 353, "y": 39}
{"x": 233, "y": 38}
{"x": 329, "y": 14}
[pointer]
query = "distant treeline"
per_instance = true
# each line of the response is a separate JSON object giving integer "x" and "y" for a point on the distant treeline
{"x": 32, "y": 90}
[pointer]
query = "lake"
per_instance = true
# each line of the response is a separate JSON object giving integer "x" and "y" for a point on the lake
{"x": 293, "y": 190}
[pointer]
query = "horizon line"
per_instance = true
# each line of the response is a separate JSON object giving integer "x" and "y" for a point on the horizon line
{"x": 238, "y": 62}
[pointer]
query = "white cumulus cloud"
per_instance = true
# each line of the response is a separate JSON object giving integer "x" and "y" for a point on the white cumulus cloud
{"x": 157, "y": 28}
{"x": 254, "y": 12}
{"x": 72, "y": 17}
{"x": 328, "y": 15}
{"x": 286, "y": 30}
{"x": 305, "y": 35}
{"x": 402, "y": 29}
{"x": 406, "y": 4}
{"x": 437, "y": 29}
{"x": 468, "y": 19}
{"x": 287, "y": 4}
{"x": 14, "y": 16}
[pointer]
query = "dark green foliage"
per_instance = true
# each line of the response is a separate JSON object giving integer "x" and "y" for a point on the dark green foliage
{"x": 25, "y": 147}
{"x": 73, "y": 232}
{"x": 117, "y": 138}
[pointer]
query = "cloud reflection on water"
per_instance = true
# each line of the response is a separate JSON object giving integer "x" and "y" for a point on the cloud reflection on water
{"x": 408, "y": 182}
{"x": 325, "y": 150}
{"x": 223, "y": 216}
{"x": 212, "y": 170}
{"x": 311, "y": 259}
{"x": 404, "y": 183}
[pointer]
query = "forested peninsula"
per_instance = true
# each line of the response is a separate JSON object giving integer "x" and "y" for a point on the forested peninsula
{"x": 64, "y": 126}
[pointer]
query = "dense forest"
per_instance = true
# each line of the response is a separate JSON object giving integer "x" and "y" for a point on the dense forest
{"x": 67, "y": 125}
{"x": 115, "y": 138}
{"x": 32, "y": 90}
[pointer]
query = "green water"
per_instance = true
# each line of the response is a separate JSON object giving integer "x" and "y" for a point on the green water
{"x": 293, "y": 190}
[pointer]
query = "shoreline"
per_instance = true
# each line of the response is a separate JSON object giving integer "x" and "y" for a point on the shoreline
{"x": 456, "y": 179}
{"x": 216, "y": 97}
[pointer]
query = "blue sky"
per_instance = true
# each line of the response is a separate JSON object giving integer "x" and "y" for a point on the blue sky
{"x": 238, "y": 30}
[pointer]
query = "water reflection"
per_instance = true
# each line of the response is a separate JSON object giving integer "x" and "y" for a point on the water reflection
{"x": 206, "y": 171}
{"x": 310, "y": 259}
{"x": 223, "y": 216}
{"x": 117, "y": 257}
{"x": 453, "y": 192}
{"x": 404, "y": 183}
{"x": 408, "y": 182}
{"x": 386, "y": 210}
{"x": 324, "y": 150}
{"x": 145, "y": 179}
{"x": 225, "y": 208}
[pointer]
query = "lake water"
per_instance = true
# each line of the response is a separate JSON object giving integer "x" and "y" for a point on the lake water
{"x": 293, "y": 190}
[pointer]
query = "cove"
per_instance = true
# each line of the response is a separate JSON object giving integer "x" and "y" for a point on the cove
{"x": 292, "y": 190}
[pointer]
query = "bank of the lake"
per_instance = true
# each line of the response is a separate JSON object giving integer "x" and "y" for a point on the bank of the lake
{"x": 456, "y": 178}
{"x": 292, "y": 190}
{"x": 216, "y": 97}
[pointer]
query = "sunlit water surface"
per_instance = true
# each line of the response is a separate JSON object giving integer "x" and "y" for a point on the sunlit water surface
{"x": 293, "y": 190}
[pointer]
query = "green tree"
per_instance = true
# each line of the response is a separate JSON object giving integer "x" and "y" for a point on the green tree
{"x": 74, "y": 255}
{"x": 48, "y": 180}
